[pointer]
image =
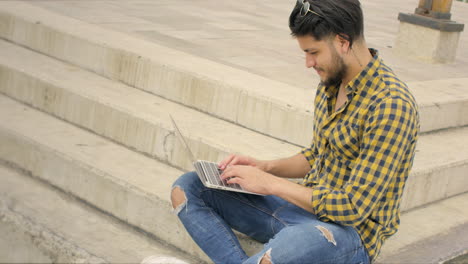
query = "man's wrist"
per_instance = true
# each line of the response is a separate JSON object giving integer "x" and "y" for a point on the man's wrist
{"x": 275, "y": 184}
{"x": 264, "y": 165}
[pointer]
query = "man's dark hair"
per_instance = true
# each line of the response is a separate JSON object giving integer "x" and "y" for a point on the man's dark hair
{"x": 337, "y": 17}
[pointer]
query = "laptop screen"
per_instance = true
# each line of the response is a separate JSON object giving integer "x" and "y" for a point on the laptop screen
{"x": 182, "y": 139}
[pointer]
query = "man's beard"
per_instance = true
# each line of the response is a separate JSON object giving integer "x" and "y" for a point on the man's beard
{"x": 337, "y": 70}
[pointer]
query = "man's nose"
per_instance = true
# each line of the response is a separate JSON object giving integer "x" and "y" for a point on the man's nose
{"x": 309, "y": 61}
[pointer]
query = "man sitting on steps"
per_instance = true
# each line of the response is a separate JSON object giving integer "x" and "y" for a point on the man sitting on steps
{"x": 366, "y": 126}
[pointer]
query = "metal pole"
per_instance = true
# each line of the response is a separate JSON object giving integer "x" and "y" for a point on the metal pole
{"x": 425, "y": 4}
{"x": 424, "y": 7}
{"x": 442, "y": 6}
{"x": 438, "y": 9}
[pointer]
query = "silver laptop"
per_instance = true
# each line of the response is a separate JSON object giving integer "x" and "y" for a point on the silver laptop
{"x": 207, "y": 171}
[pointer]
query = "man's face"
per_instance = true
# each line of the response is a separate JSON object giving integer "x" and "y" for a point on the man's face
{"x": 324, "y": 58}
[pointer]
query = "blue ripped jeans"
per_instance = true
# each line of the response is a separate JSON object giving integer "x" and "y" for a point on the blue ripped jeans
{"x": 291, "y": 234}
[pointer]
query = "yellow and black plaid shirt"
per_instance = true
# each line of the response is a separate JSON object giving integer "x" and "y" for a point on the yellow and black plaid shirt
{"x": 361, "y": 155}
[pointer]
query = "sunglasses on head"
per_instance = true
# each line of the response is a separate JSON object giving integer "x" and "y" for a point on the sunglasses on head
{"x": 306, "y": 8}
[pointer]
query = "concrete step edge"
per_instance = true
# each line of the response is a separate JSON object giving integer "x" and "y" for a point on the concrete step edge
{"x": 223, "y": 91}
{"x": 64, "y": 230}
{"x": 131, "y": 118}
{"x": 243, "y": 98}
{"x": 70, "y": 159}
{"x": 127, "y": 116}
{"x": 54, "y": 247}
{"x": 125, "y": 184}
{"x": 430, "y": 234}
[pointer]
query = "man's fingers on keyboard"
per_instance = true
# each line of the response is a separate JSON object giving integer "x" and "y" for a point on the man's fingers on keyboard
{"x": 227, "y": 173}
{"x": 234, "y": 161}
{"x": 222, "y": 165}
{"x": 232, "y": 180}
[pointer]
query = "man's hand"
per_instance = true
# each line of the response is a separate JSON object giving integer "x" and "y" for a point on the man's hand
{"x": 255, "y": 180}
{"x": 296, "y": 166}
{"x": 241, "y": 160}
{"x": 250, "y": 178}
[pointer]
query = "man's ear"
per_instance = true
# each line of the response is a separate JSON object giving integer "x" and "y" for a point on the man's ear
{"x": 343, "y": 42}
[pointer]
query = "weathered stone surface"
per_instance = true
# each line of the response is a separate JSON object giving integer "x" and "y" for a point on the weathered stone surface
{"x": 427, "y": 44}
{"x": 239, "y": 66}
{"x": 40, "y": 224}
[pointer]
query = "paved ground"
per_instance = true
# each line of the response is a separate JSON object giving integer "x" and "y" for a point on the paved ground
{"x": 253, "y": 35}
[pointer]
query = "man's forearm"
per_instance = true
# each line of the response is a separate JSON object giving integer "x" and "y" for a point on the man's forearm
{"x": 296, "y": 166}
{"x": 293, "y": 193}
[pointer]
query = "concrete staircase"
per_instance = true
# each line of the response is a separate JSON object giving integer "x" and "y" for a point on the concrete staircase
{"x": 88, "y": 153}
{"x": 42, "y": 224}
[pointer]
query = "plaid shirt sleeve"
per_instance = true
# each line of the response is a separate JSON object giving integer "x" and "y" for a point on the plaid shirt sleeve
{"x": 309, "y": 154}
{"x": 389, "y": 129}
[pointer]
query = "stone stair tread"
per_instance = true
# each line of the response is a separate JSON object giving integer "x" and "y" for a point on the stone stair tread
{"x": 67, "y": 229}
{"x": 429, "y": 234}
{"x": 130, "y": 186}
{"x": 136, "y": 174}
{"x": 441, "y": 148}
{"x": 146, "y": 110}
{"x": 97, "y": 153}
{"x": 193, "y": 124}
{"x": 225, "y": 83}
{"x": 435, "y": 150}
{"x": 224, "y": 136}
{"x": 287, "y": 105}
{"x": 442, "y": 103}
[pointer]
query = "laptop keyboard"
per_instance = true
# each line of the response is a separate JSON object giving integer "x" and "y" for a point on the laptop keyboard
{"x": 212, "y": 173}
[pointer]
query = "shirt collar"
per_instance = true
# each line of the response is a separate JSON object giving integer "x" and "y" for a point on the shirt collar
{"x": 361, "y": 79}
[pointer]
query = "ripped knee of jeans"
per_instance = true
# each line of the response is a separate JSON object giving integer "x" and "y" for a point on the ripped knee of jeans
{"x": 178, "y": 199}
{"x": 266, "y": 258}
{"x": 327, "y": 234}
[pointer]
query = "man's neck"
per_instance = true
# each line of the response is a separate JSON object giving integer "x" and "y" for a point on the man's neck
{"x": 359, "y": 57}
